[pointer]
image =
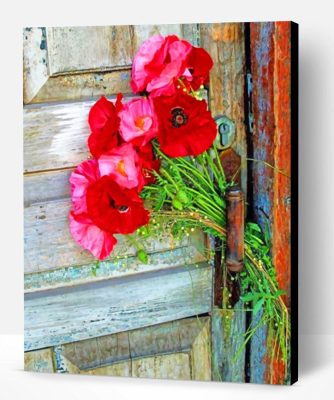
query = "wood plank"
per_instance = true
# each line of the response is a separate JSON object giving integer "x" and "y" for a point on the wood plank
{"x": 200, "y": 355}
{"x": 169, "y": 366}
{"x": 282, "y": 184}
{"x": 47, "y": 187}
{"x": 84, "y": 86}
{"x": 35, "y": 62}
{"x": 55, "y": 136}
{"x": 97, "y": 309}
{"x": 225, "y": 44}
{"x": 120, "y": 369}
{"x": 81, "y": 48}
{"x": 257, "y": 368}
{"x": 262, "y": 60}
{"x": 271, "y": 63}
{"x": 163, "y": 258}
{"x": 228, "y": 327}
{"x": 49, "y": 244}
{"x": 39, "y": 361}
{"x": 176, "y": 336}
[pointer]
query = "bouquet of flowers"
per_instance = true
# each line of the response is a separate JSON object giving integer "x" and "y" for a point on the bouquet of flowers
{"x": 155, "y": 165}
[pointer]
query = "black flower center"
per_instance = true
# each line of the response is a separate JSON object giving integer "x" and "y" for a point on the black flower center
{"x": 179, "y": 117}
{"x": 121, "y": 209}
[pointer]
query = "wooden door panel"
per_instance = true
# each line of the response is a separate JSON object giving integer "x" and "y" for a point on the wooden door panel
{"x": 68, "y": 63}
{"x": 174, "y": 350}
{"x": 79, "y": 49}
{"x": 99, "y": 308}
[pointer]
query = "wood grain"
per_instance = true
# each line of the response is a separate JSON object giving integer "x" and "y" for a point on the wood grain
{"x": 35, "y": 62}
{"x": 55, "y": 135}
{"x": 225, "y": 44}
{"x": 166, "y": 338}
{"x": 97, "y": 309}
{"x": 123, "y": 262}
{"x": 173, "y": 350}
{"x": 71, "y": 63}
{"x": 228, "y": 327}
{"x": 39, "y": 361}
{"x": 84, "y": 86}
{"x": 49, "y": 244}
{"x": 271, "y": 59}
{"x": 78, "y": 49}
{"x": 171, "y": 366}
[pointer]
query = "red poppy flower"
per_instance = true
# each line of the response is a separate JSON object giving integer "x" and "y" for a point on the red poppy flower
{"x": 104, "y": 124}
{"x": 115, "y": 209}
{"x": 186, "y": 127}
{"x": 102, "y": 208}
{"x": 199, "y": 64}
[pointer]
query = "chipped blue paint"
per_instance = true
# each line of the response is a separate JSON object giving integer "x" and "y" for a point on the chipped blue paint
{"x": 262, "y": 175}
{"x": 79, "y": 274}
{"x": 262, "y": 201}
{"x": 258, "y": 351}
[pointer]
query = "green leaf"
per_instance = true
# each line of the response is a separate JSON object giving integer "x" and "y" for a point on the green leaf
{"x": 248, "y": 297}
{"x": 254, "y": 226}
{"x": 142, "y": 256}
{"x": 257, "y": 307}
{"x": 279, "y": 293}
{"x": 177, "y": 204}
{"x": 182, "y": 196}
{"x": 160, "y": 200}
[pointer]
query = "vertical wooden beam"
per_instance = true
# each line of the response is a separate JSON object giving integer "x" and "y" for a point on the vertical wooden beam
{"x": 225, "y": 43}
{"x": 282, "y": 191}
{"x": 228, "y": 355}
{"x": 262, "y": 65}
{"x": 270, "y": 65}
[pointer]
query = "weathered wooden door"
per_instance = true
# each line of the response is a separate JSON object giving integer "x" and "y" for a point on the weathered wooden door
{"x": 121, "y": 317}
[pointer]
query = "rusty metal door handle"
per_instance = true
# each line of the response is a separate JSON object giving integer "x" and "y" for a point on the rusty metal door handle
{"x": 235, "y": 229}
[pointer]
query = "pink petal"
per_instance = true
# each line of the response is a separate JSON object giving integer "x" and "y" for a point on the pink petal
{"x": 134, "y": 111}
{"x": 91, "y": 237}
{"x": 84, "y": 175}
{"x": 109, "y": 164}
{"x": 144, "y": 55}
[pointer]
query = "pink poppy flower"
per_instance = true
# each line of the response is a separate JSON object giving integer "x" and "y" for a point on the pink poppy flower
{"x": 122, "y": 163}
{"x": 101, "y": 207}
{"x": 158, "y": 64}
{"x": 99, "y": 242}
{"x": 138, "y": 122}
{"x": 84, "y": 175}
